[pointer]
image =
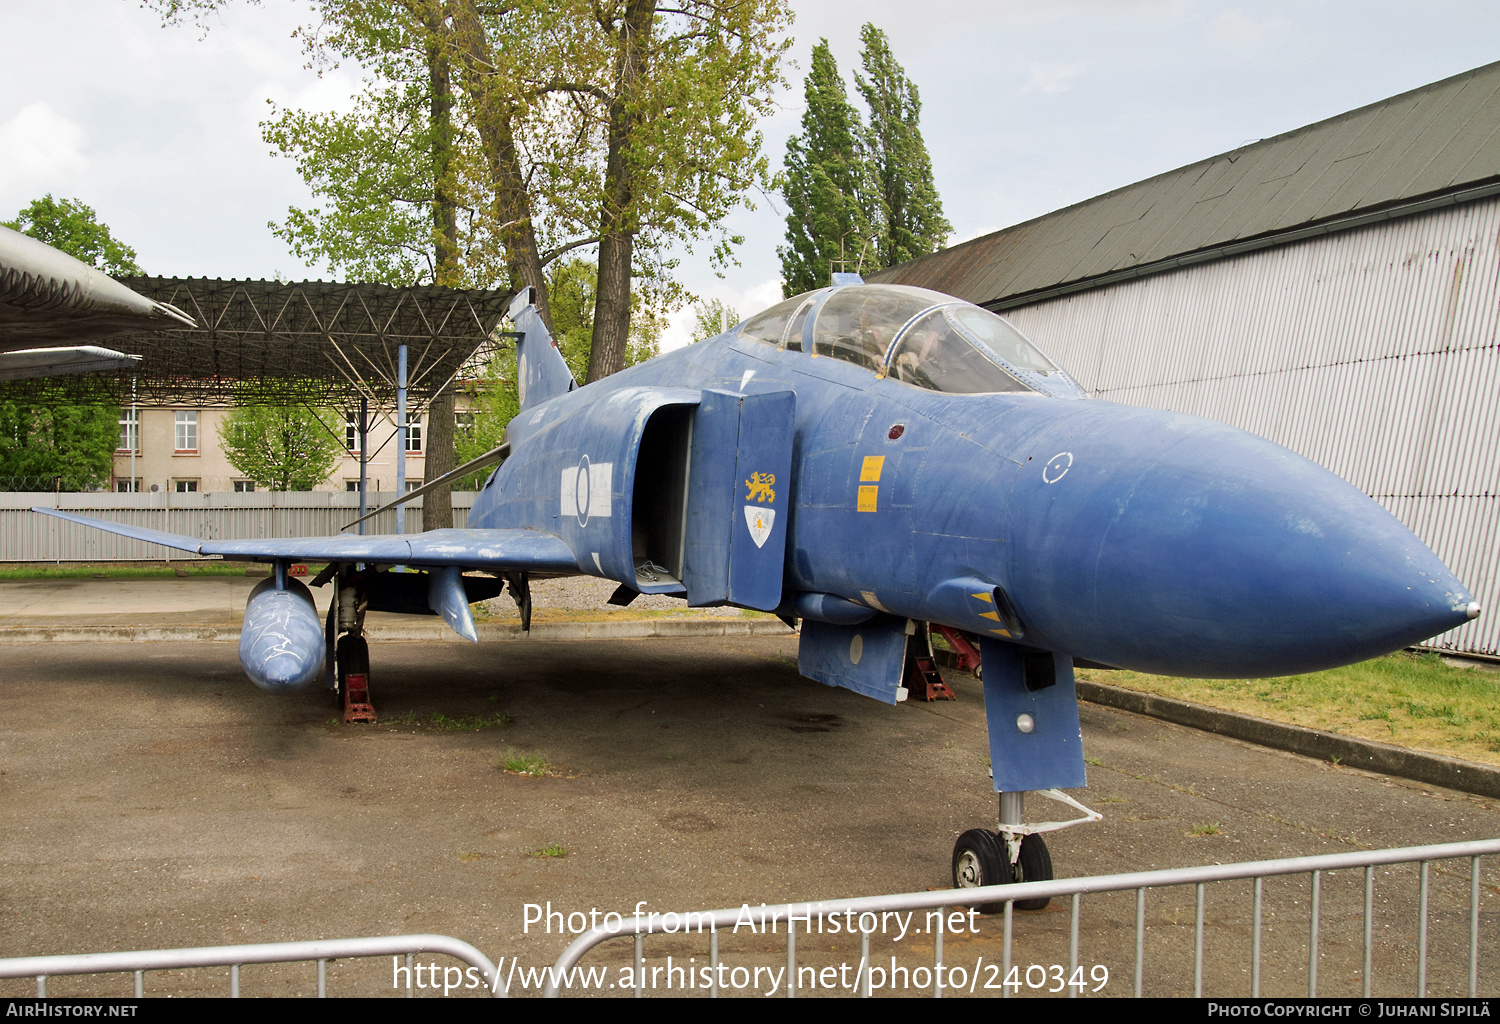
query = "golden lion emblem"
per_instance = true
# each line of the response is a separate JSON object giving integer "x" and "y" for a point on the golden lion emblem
{"x": 760, "y": 485}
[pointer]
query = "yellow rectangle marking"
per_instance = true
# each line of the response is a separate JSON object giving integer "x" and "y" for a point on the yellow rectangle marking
{"x": 868, "y": 497}
{"x": 871, "y": 468}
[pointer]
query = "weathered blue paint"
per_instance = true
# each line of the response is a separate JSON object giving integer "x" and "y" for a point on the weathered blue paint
{"x": 757, "y": 529}
{"x": 446, "y": 596}
{"x": 867, "y": 658}
{"x": 712, "y": 489}
{"x": 1132, "y": 537}
{"x": 1045, "y": 750}
{"x": 827, "y": 608}
{"x": 281, "y": 641}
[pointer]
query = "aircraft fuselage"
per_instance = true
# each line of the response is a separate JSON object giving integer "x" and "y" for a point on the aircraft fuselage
{"x": 1134, "y": 537}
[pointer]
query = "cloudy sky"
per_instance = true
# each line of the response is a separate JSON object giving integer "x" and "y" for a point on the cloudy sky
{"x": 1027, "y": 106}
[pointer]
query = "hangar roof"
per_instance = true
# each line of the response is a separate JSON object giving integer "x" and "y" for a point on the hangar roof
{"x": 323, "y": 343}
{"x": 1430, "y": 147}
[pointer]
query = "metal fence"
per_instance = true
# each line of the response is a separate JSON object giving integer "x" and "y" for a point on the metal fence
{"x": 234, "y": 957}
{"x": 28, "y": 537}
{"x": 858, "y": 909}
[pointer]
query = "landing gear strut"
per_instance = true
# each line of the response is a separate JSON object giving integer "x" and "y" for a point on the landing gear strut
{"x": 1015, "y": 852}
{"x": 349, "y": 653}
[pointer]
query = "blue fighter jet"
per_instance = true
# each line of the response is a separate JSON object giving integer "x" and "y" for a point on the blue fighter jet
{"x": 872, "y": 459}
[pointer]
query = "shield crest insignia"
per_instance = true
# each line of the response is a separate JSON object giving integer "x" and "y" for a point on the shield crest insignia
{"x": 759, "y": 521}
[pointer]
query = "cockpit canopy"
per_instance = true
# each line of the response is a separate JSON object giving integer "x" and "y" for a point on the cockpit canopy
{"x": 917, "y": 336}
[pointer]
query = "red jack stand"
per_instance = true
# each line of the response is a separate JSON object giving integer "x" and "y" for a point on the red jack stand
{"x": 357, "y": 706}
{"x": 929, "y": 685}
{"x": 968, "y": 657}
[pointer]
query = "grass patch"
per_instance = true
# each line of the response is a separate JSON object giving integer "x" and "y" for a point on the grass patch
{"x": 533, "y": 765}
{"x": 1206, "y": 829}
{"x": 449, "y": 723}
{"x": 469, "y": 723}
{"x": 554, "y": 850}
{"x": 1411, "y": 700}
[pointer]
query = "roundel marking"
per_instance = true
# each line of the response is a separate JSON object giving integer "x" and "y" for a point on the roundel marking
{"x": 1057, "y": 467}
{"x": 581, "y": 491}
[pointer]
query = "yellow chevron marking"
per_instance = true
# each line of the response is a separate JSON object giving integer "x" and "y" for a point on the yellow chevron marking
{"x": 989, "y": 615}
{"x": 984, "y": 597}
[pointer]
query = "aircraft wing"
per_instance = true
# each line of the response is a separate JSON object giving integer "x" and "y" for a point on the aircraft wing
{"x": 509, "y": 550}
{"x": 47, "y": 297}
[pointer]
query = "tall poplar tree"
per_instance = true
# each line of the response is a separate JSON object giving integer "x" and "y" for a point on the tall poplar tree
{"x": 860, "y": 196}
{"x": 911, "y": 221}
{"x": 828, "y": 185}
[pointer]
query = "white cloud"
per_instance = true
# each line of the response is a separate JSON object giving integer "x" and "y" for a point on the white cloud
{"x": 42, "y": 152}
{"x": 1052, "y": 77}
{"x": 746, "y": 302}
{"x": 1235, "y": 29}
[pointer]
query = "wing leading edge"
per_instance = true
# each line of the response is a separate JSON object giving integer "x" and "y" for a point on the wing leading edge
{"x": 513, "y": 550}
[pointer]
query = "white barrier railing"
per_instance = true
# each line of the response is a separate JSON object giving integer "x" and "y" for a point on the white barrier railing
{"x": 234, "y": 957}
{"x": 789, "y": 914}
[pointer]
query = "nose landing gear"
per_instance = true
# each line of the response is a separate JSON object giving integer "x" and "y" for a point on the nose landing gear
{"x": 1015, "y": 852}
{"x": 982, "y": 857}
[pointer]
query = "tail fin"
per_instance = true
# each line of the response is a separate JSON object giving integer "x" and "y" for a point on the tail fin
{"x": 541, "y": 371}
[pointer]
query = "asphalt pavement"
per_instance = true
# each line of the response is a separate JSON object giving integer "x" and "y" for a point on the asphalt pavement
{"x": 151, "y": 797}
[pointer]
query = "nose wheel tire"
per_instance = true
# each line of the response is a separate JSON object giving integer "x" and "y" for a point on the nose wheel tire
{"x": 1034, "y": 865}
{"x": 979, "y": 859}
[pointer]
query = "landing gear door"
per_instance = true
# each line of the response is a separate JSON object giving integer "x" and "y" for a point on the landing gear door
{"x": 738, "y": 497}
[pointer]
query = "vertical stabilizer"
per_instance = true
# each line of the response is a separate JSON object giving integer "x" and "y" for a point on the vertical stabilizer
{"x": 541, "y": 371}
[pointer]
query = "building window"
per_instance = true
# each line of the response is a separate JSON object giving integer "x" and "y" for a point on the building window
{"x": 130, "y": 430}
{"x": 413, "y": 432}
{"x": 463, "y": 423}
{"x": 186, "y": 437}
{"x": 186, "y": 486}
{"x": 128, "y": 486}
{"x": 351, "y": 433}
{"x": 244, "y": 486}
{"x": 351, "y": 485}
{"x": 412, "y": 485}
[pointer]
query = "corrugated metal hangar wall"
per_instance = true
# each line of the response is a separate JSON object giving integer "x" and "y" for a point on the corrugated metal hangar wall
{"x": 1372, "y": 352}
{"x": 1335, "y": 288}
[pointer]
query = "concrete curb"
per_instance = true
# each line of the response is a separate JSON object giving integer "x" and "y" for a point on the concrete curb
{"x": 631, "y": 629}
{"x": 1431, "y": 769}
{"x": 1370, "y": 755}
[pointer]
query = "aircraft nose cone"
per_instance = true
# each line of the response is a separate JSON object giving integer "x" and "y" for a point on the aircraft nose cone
{"x": 1198, "y": 549}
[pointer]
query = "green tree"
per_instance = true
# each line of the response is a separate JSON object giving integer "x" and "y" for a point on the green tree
{"x": 73, "y": 227}
{"x": 493, "y": 402}
{"x": 282, "y": 447}
{"x": 542, "y": 127}
{"x": 493, "y": 399}
{"x": 909, "y": 217}
{"x": 70, "y": 447}
{"x": 712, "y": 318}
{"x": 828, "y": 187}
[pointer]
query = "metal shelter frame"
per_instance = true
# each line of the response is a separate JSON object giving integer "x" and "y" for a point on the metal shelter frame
{"x": 369, "y": 347}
